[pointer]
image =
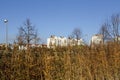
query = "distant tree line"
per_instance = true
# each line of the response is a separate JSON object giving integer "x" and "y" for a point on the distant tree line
{"x": 28, "y": 34}
{"x": 110, "y": 30}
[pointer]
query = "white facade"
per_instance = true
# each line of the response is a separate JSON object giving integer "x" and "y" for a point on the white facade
{"x": 52, "y": 41}
{"x": 97, "y": 39}
{"x": 80, "y": 42}
{"x": 62, "y": 41}
{"x": 117, "y": 38}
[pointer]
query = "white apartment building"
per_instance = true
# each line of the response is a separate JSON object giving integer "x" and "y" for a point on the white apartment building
{"x": 62, "y": 41}
{"x": 97, "y": 39}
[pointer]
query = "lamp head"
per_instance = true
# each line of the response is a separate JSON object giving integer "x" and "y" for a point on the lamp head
{"x": 5, "y": 21}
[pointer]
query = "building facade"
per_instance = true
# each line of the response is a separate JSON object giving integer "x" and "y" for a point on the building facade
{"x": 97, "y": 39}
{"x": 62, "y": 41}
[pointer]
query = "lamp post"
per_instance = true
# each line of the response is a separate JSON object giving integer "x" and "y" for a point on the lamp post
{"x": 6, "y": 21}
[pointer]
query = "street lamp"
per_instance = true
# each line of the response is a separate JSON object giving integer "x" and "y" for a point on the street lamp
{"x": 6, "y": 21}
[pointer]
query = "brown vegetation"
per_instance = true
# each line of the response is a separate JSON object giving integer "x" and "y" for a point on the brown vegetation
{"x": 69, "y": 63}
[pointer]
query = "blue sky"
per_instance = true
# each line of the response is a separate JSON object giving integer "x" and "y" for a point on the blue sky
{"x": 56, "y": 17}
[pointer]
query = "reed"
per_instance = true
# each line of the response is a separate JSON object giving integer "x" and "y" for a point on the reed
{"x": 61, "y": 63}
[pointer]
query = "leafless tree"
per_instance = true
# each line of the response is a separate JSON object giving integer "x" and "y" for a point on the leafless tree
{"x": 36, "y": 38}
{"x": 104, "y": 30}
{"x": 115, "y": 25}
{"x": 77, "y": 33}
{"x": 27, "y": 33}
{"x": 20, "y": 37}
{"x": 111, "y": 29}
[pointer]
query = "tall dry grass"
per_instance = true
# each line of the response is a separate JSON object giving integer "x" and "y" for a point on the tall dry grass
{"x": 101, "y": 62}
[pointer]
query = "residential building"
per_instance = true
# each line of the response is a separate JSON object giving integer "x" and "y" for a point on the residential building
{"x": 97, "y": 39}
{"x": 62, "y": 41}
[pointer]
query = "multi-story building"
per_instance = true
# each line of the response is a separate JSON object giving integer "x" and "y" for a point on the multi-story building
{"x": 63, "y": 41}
{"x": 97, "y": 39}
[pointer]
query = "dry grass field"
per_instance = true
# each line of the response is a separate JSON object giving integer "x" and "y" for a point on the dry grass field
{"x": 101, "y": 62}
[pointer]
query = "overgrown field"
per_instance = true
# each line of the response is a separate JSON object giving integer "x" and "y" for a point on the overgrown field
{"x": 67, "y": 63}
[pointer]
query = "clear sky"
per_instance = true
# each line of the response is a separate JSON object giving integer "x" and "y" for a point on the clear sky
{"x": 56, "y": 17}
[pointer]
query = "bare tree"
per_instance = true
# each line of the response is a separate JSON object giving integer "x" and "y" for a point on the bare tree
{"x": 111, "y": 30}
{"x": 77, "y": 33}
{"x": 27, "y": 33}
{"x": 20, "y": 39}
{"x": 115, "y": 25}
{"x": 104, "y": 30}
{"x": 36, "y": 38}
